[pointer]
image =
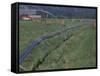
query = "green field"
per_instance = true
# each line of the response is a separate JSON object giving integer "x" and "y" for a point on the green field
{"x": 71, "y": 49}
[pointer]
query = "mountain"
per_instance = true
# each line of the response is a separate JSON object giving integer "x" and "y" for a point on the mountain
{"x": 56, "y": 11}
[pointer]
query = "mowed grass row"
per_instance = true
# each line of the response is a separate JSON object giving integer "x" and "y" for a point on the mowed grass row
{"x": 58, "y": 53}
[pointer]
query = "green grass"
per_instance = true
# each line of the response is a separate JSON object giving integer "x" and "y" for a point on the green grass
{"x": 82, "y": 50}
{"x": 77, "y": 51}
{"x": 30, "y": 30}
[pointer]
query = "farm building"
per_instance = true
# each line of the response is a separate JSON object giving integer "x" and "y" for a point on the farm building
{"x": 29, "y": 17}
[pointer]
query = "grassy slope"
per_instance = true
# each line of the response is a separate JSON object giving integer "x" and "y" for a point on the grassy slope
{"x": 76, "y": 52}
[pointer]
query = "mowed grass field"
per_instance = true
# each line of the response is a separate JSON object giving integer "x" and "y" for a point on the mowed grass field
{"x": 71, "y": 49}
